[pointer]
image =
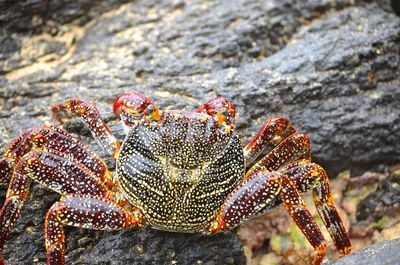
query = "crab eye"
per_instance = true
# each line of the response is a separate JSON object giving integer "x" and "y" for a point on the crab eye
{"x": 150, "y": 109}
{"x": 152, "y": 113}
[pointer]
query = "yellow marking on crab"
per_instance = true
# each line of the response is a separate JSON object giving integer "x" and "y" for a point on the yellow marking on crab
{"x": 131, "y": 111}
{"x": 214, "y": 226}
{"x": 277, "y": 138}
{"x": 305, "y": 162}
{"x": 156, "y": 114}
{"x": 265, "y": 170}
{"x": 221, "y": 118}
{"x": 118, "y": 147}
{"x": 228, "y": 128}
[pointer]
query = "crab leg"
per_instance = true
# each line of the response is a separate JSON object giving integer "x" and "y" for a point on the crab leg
{"x": 272, "y": 133}
{"x": 51, "y": 138}
{"x": 86, "y": 212}
{"x": 17, "y": 194}
{"x": 6, "y": 167}
{"x": 91, "y": 117}
{"x": 267, "y": 189}
{"x": 313, "y": 176}
{"x": 295, "y": 147}
{"x": 53, "y": 170}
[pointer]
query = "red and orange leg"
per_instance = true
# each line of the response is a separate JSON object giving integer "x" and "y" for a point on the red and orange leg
{"x": 58, "y": 161}
{"x": 274, "y": 131}
{"x": 266, "y": 190}
{"x": 87, "y": 212}
{"x": 89, "y": 203}
{"x": 53, "y": 170}
{"x": 51, "y": 138}
{"x": 314, "y": 177}
{"x": 17, "y": 194}
{"x": 91, "y": 117}
{"x": 294, "y": 148}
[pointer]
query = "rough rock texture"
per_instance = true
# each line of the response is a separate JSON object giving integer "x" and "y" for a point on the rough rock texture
{"x": 332, "y": 67}
{"x": 385, "y": 200}
{"x": 34, "y": 17}
{"x": 373, "y": 255}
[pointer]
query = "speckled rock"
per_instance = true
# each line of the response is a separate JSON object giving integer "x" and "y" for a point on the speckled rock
{"x": 332, "y": 67}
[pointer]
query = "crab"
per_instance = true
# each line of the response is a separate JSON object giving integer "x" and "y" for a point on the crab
{"x": 175, "y": 171}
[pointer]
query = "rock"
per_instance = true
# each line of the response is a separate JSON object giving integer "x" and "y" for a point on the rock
{"x": 19, "y": 19}
{"x": 332, "y": 67}
{"x": 383, "y": 201}
{"x": 382, "y": 253}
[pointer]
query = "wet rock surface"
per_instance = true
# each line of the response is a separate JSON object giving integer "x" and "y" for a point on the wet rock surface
{"x": 382, "y": 253}
{"x": 332, "y": 67}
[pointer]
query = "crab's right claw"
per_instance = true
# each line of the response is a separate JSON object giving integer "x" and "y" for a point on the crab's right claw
{"x": 222, "y": 111}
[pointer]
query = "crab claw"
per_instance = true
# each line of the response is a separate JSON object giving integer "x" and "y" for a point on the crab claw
{"x": 134, "y": 107}
{"x": 222, "y": 110}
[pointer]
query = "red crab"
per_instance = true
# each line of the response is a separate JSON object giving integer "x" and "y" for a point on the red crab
{"x": 176, "y": 171}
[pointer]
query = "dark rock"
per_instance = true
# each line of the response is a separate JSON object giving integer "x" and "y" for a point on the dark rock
{"x": 385, "y": 200}
{"x": 382, "y": 253}
{"x": 19, "y": 19}
{"x": 332, "y": 67}
{"x": 34, "y": 16}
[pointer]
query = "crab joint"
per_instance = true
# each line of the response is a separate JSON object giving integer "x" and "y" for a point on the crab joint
{"x": 134, "y": 218}
{"x": 217, "y": 225}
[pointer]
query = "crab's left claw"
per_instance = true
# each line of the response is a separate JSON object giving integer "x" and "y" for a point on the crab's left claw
{"x": 222, "y": 110}
{"x": 91, "y": 117}
{"x": 133, "y": 108}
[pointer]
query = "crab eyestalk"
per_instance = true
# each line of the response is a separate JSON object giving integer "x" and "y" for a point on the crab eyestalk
{"x": 222, "y": 110}
{"x": 134, "y": 108}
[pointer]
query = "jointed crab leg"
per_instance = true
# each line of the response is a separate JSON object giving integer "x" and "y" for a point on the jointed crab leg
{"x": 91, "y": 117}
{"x": 61, "y": 174}
{"x": 17, "y": 194}
{"x": 295, "y": 147}
{"x": 53, "y": 170}
{"x": 51, "y": 138}
{"x": 266, "y": 189}
{"x": 86, "y": 212}
{"x": 272, "y": 132}
{"x": 6, "y": 168}
{"x": 313, "y": 176}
